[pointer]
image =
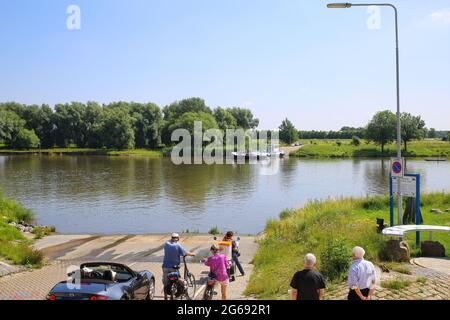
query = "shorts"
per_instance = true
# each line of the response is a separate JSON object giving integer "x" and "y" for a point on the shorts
{"x": 224, "y": 283}
{"x": 166, "y": 272}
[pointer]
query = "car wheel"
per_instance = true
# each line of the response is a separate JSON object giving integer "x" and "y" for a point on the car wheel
{"x": 151, "y": 290}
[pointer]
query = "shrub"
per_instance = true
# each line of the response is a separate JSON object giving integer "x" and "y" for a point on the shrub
{"x": 21, "y": 253}
{"x": 335, "y": 260}
{"x": 26, "y": 139}
{"x": 374, "y": 203}
{"x": 40, "y": 232}
{"x": 356, "y": 141}
{"x": 286, "y": 213}
{"x": 338, "y": 143}
{"x": 31, "y": 257}
{"x": 214, "y": 231}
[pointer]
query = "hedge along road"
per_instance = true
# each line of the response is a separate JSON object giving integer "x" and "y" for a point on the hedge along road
{"x": 140, "y": 252}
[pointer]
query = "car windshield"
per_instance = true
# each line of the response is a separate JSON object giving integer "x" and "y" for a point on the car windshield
{"x": 115, "y": 273}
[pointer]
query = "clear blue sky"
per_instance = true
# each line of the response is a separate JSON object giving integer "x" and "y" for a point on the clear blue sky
{"x": 321, "y": 68}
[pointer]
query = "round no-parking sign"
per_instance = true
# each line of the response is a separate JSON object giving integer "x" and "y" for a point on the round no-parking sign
{"x": 397, "y": 167}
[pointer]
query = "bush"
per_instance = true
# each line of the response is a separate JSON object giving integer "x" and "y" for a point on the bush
{"x": 356, "y": 141}
{"x": 286, "y": 213}
{"x": 338, "y": 143}
{"x": 21, "y": 253}
{"x": 40, "y": 232}
{"x": 375, "y": 203}
{"x": 26, "y": 139}
{"x": 214, "y": 231}
{"x": 335, "y": 260}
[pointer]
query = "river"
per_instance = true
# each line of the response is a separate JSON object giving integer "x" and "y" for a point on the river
{"x": 134, "y": 195}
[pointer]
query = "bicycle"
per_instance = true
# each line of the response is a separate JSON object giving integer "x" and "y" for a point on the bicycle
{"x": 210, "y": 285}
{"x": 178, "y": 288}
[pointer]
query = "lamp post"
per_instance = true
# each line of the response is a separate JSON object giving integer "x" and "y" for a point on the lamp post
{"x": 399, "y": 134}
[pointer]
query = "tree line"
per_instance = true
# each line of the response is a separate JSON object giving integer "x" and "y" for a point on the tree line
{"x": 117, "y": 125}
{"x": 382, "y": 129}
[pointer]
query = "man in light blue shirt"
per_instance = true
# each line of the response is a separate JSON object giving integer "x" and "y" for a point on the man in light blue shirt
{"x": 361, "y": 277}
{"x": 173, "y": 251}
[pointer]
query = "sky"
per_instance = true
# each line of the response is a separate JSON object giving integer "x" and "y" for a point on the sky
{"x": 321, "y": 68}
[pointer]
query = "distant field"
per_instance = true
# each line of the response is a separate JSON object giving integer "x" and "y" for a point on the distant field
{"x": 87, "y": 151}
{"x": 331, "y": 148}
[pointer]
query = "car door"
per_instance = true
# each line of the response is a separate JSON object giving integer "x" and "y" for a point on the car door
{"x": 140, "y": 286}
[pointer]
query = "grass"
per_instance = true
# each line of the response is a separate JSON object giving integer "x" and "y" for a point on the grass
{"x": 318, "y": 226}
{"x": 86, "y": 151}
{"x": 396, "y": 284}
{"x": 13, "y": 245}
{"x": 421, "y": 280}
{"x": 41, "y": 232}
{"x": 345, "y": 149}
{"x": 398, "y": 267}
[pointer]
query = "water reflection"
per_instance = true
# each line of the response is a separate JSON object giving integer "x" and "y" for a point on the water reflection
{"x": 84, "y": 194}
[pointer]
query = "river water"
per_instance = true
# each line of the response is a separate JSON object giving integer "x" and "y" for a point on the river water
{"x": 128, "y": 195}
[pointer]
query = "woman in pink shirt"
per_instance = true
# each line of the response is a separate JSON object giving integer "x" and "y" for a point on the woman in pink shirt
{"x": 218, "y": 264}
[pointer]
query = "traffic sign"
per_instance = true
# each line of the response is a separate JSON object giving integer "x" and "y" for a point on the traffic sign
{"x": 397, "y": 167}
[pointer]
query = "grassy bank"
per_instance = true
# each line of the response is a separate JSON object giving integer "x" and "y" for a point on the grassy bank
{"x": 13, "y": 245}
{"x": 329, "y": 229}
{"x": 86, "y": 151}
{"x": 345, "y": 148}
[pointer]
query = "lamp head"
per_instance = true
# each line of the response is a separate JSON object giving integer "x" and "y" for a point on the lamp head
{"x": 339, "y": 5}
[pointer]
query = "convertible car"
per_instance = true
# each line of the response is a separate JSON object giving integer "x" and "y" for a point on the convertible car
{"x": 105, "y": 281}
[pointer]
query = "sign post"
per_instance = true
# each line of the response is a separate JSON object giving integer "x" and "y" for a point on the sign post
{"x": 397, "y": 170}
{"x": 408, "y": 185}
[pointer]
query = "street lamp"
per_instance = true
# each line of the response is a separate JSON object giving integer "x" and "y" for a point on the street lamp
{"x": 399, "y": 134}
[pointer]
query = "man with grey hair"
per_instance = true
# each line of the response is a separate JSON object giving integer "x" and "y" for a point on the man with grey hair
{"x": 308, "y": 284}
{"x": 361, "y": 276}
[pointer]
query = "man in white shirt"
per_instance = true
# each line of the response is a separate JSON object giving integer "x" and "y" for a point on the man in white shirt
{"x": 361, "y": 276}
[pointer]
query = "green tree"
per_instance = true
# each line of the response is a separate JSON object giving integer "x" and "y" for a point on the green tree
{"x": 356, "y": 141}
{"x": 46, "y": 128}
{"x": 432, "y": 133}
{"x": 381, "y": 129}
{"x": 413, "y": 128}
{"x": 68, "y": 119}
{"x": 187, "y": 120}
{"x": 10, "y": 125}
{"x": 92, "y": 125}
{"x": 176, "y": 110}
{"x": 224, "y": 119}
{"x": 117, "y": 130}
{"x": 244, "y": 118}
{"x": 147, "y": 127}
{"x": 288, "y": 133}
{"x": 25, "y": 139}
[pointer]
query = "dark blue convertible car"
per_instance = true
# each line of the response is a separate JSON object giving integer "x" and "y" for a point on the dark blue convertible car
{"x": 105, "y": 281}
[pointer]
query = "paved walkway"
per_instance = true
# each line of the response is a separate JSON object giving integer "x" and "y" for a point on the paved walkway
{"x": 440, "y": 265}
{"x": 424, "y": 283}
{"x": 143, "y": 252}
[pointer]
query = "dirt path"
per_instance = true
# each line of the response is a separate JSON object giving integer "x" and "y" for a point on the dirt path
{"x": 289, "y": 150}
{"x": 140, "y": 252}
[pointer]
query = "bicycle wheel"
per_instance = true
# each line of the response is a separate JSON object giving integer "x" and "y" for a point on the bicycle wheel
{"x": 209, "y": 293}
{"x": 191, "y": 286}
